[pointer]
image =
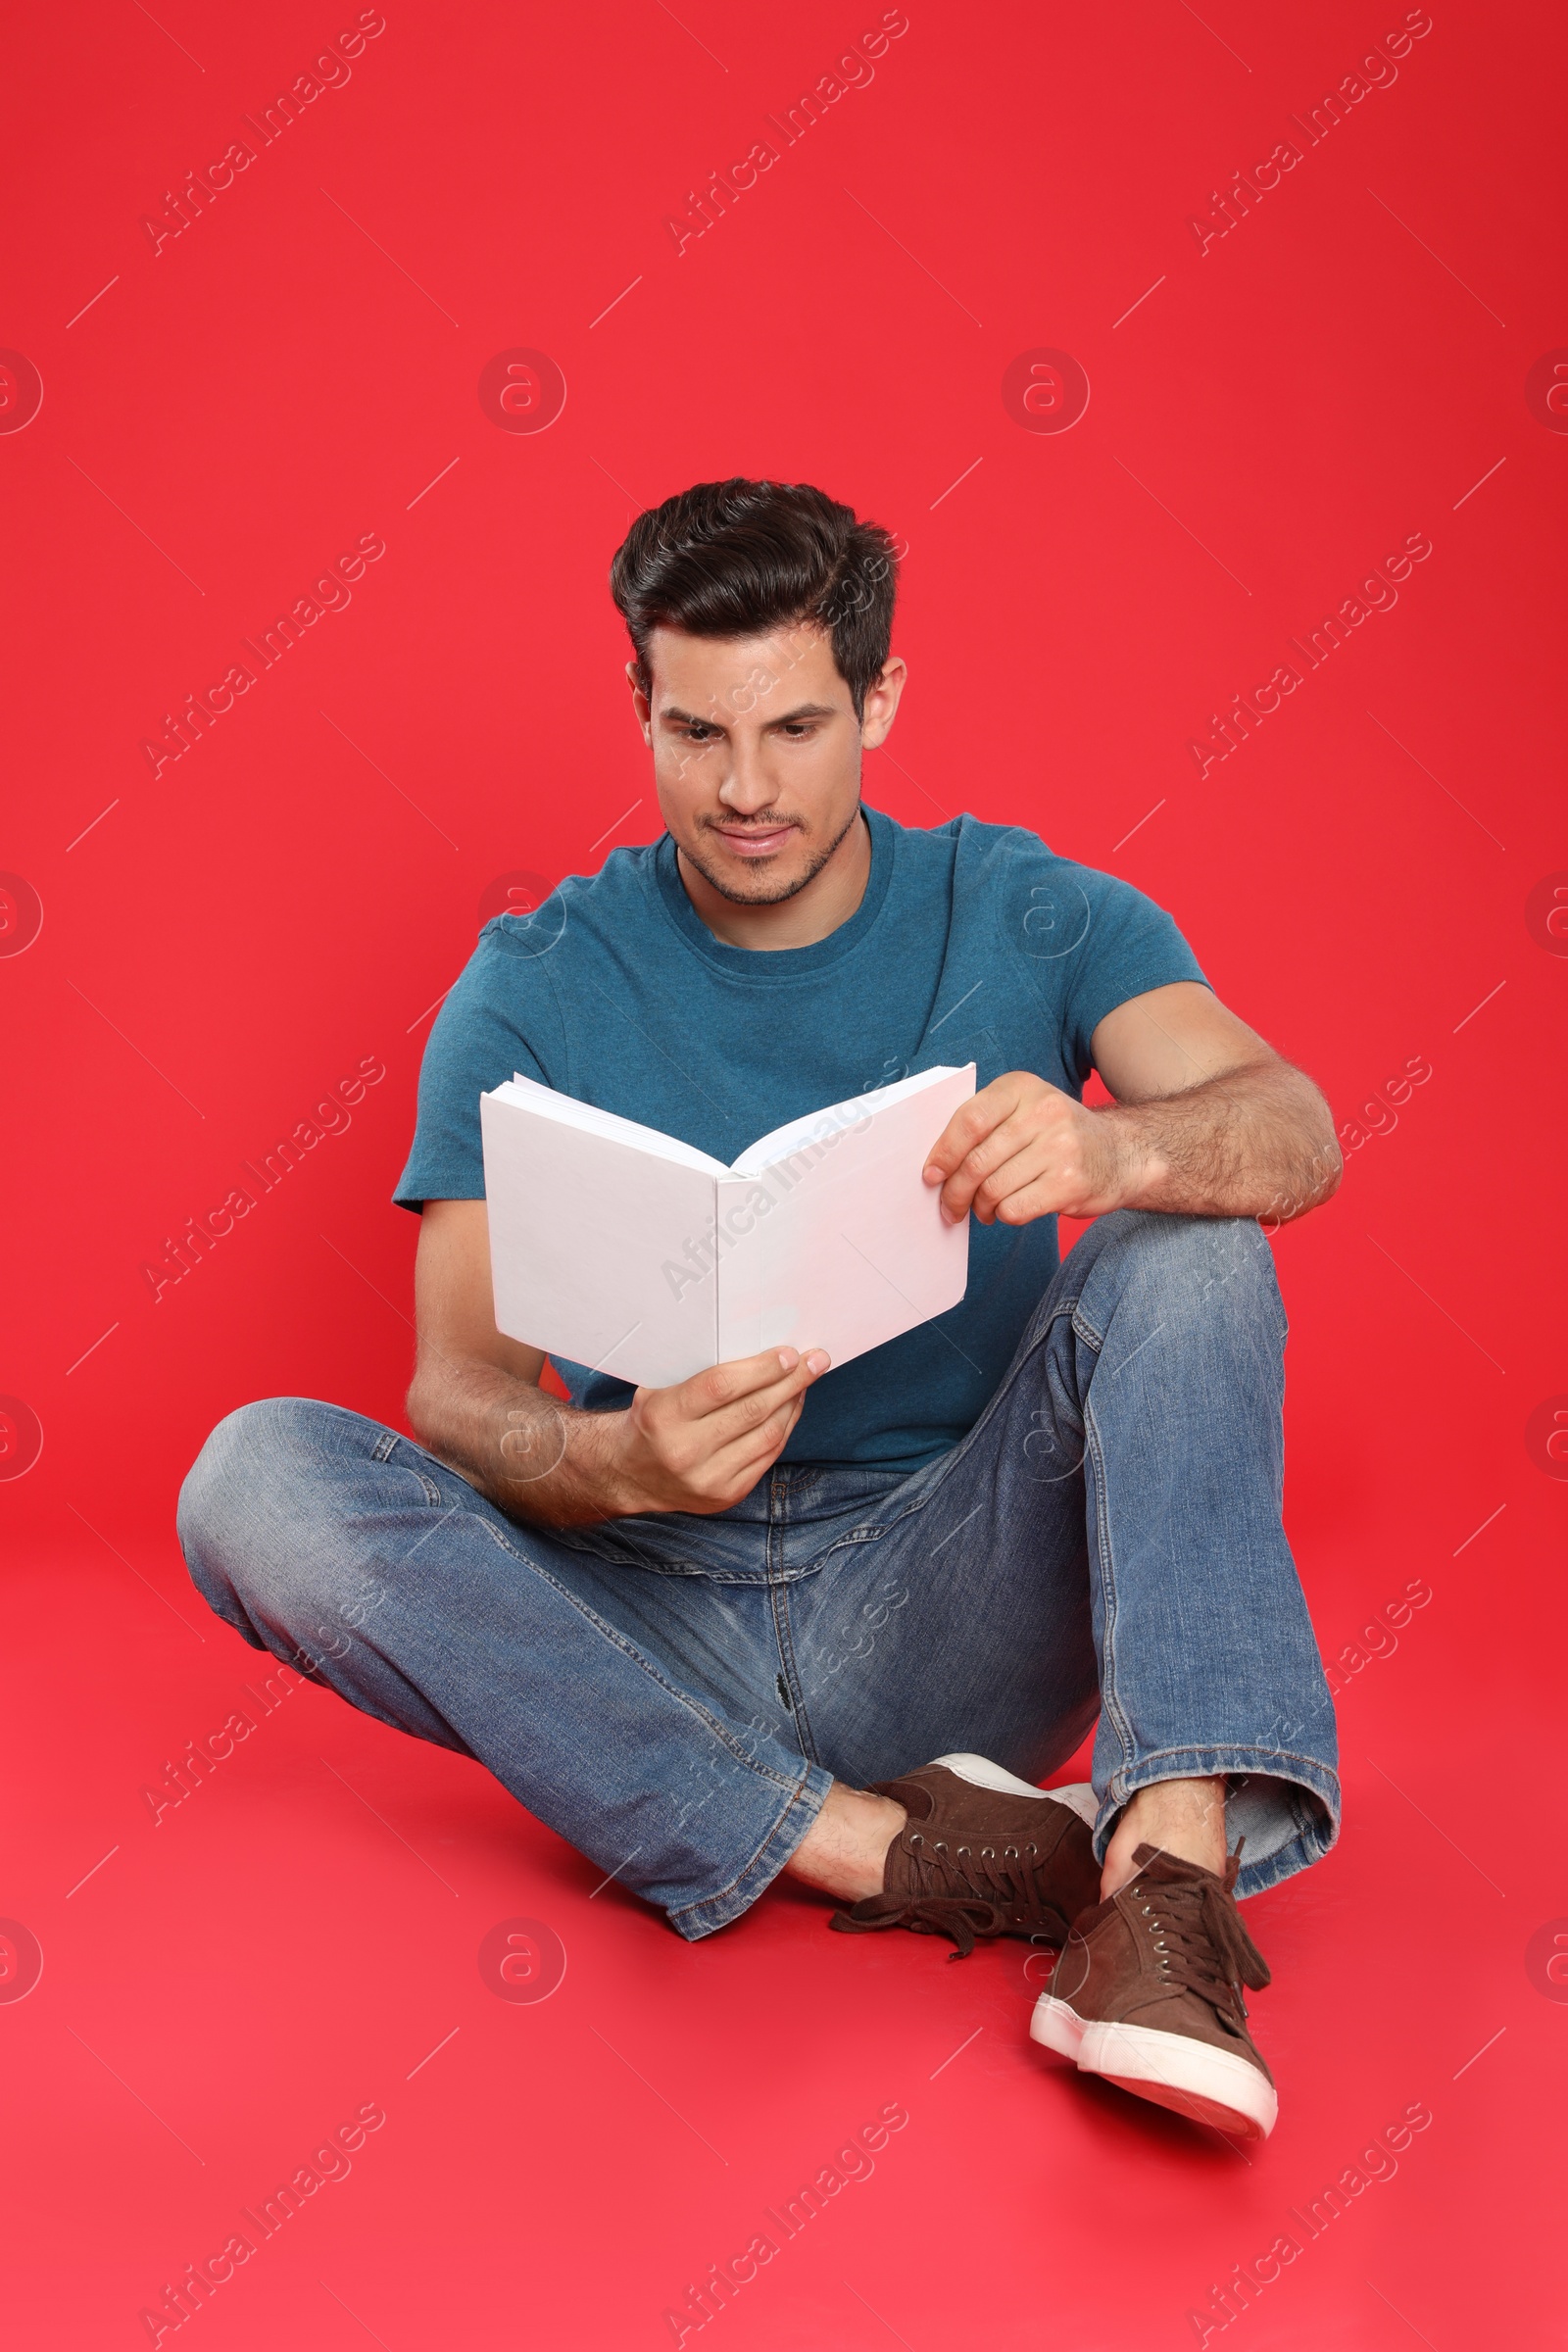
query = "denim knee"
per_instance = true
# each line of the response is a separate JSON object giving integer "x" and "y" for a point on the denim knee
{"x": 243, "y": 1505}
{"x": 1176, "y": 1269}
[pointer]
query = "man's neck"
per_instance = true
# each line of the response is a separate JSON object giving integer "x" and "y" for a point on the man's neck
{"x": 828, "y": 901}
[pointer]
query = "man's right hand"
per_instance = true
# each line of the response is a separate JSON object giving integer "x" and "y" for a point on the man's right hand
{"x": 476, "y": 1403}
{"x": 703, "y": 1444}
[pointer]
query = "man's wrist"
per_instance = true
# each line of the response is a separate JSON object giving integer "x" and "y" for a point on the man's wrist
{"x": 1138, "y": 1168}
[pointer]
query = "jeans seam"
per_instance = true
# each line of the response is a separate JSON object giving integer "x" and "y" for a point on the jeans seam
{"x": 798, "y": 1789}
{"x": 778, "y": 1595}
{"x": 1110, "y": 1706}
{"x": 1254, "y": 1759}
{"x": 629, "y": 1649}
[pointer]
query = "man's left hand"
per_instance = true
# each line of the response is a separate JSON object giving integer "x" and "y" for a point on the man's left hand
{"x": 1020, "y": 1150}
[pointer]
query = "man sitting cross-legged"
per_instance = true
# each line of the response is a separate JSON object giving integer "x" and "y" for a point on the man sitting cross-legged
{"x": 710, "y": 1633}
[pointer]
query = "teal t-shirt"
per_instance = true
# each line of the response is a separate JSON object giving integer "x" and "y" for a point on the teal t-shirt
{"x": 973, "y": 943}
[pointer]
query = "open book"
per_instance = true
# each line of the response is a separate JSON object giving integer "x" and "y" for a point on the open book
{"x": 619, "y": 1247}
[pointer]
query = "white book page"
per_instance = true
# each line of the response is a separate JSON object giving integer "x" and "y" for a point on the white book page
{"x": 840, "y": 1243}
{"x": 816, "y": 1125}
{"x": 593, "y": 1121}
{"x": 598, "y": 1241}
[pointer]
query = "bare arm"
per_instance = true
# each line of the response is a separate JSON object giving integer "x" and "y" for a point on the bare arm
{"x": 1208, "y": 1121}
{"x": 475, "y": 1401}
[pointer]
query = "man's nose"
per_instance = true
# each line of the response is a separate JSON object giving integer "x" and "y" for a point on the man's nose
{"x": 748, "y": 787}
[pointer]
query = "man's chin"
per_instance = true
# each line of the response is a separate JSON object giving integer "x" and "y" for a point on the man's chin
{"x": 756, "y": 881}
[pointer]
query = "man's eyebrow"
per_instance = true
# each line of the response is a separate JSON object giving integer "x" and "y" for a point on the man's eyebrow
{"x": 673, "y": 713}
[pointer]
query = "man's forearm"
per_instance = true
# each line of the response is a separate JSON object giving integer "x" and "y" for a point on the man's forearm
{"x": 1256, "y": 1143}
{"x": 540, "y": 1461}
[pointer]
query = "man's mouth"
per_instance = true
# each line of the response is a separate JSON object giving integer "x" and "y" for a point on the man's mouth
{"x": 753, "y": 841}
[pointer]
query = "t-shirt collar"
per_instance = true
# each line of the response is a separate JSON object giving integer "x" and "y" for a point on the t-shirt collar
{"x": 763, "y": 966}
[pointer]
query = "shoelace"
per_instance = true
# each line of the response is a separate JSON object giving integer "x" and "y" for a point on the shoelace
{"x": 990, "y": 1885}
{"x": 1203, "y": 1946}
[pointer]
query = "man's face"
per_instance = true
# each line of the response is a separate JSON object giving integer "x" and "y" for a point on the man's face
{"x": 757, "y": 753}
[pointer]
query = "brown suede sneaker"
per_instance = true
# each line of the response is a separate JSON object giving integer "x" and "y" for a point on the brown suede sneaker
{"x": 982, "y": 1854}
{"x": 1148, "y": 1994}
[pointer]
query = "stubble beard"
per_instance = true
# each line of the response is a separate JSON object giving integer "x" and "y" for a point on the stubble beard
{"x": 776, "y": 896}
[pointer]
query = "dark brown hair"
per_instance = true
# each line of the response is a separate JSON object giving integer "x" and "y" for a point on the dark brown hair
{"x": 738, "y": 559}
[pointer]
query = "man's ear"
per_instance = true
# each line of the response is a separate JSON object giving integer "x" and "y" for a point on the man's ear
{"x": 640, "y": 704}
{"x": 882, "y": 703}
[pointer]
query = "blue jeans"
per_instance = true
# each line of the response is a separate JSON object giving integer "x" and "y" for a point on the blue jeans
{"x": 675, "y": 1693}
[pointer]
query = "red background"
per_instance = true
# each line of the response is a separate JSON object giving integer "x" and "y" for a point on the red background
{"x": 222, "y": 418}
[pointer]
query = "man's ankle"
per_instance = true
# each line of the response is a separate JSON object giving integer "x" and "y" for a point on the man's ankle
{"x": 844, "y": 1850}
{"x": 1182, "y": 1818}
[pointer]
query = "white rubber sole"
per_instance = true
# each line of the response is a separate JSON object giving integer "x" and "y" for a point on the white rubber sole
{"x": 981, "y": 1773}
{"x": 1209, "y": 2086}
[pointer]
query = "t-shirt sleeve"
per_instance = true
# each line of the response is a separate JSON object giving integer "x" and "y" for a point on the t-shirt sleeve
{"x": 1129, "y": 946}
{"x": 498, "y": 1020}
{"x": 1088, "y": 942}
